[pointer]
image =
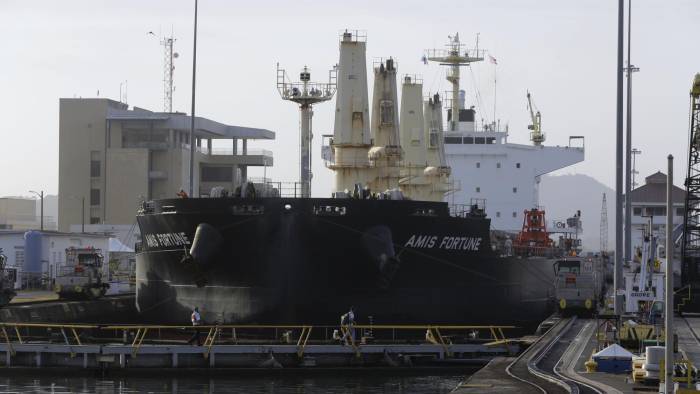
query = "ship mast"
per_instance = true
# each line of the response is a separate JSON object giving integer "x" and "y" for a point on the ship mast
{"x": 306, "y": 94}
{"x": 454, "y": 57}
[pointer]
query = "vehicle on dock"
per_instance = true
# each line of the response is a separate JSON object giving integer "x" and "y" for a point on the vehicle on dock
{"x": 81, "y": 277}
{"x": 578, "y": 285}
{"x": 8, "y": 277}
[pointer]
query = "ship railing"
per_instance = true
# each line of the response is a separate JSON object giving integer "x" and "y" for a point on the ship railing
{"x": 303, "y": 335}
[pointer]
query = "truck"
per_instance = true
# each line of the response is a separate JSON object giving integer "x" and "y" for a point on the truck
{"x": 81, "y": 276}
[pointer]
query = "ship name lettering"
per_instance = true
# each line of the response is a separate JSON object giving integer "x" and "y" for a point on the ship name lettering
{"x": 448, "y": 243}
{"x": 166, "y": 240}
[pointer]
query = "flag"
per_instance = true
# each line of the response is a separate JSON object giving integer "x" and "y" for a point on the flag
{"x": 492, "y": 60}
{"x": 424, "y": 59}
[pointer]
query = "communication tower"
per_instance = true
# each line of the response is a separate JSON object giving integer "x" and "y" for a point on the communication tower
{"x": 306, "y": 94}
{"x": 604, "y": 226}
{"x": 168, "y": 68}
{"x": 455, "y": 56}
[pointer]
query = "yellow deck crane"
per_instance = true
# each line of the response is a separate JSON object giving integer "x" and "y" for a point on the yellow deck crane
{"x": 536, "y": 135}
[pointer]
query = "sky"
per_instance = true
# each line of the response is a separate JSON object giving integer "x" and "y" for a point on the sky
{"x": 562, "y": 51}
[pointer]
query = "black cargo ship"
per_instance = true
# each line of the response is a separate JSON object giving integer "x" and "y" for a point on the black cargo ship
{"x": 306, "y": 260}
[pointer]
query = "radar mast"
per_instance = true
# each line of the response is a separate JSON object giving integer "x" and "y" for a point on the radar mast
{"x": 306, "y": 94}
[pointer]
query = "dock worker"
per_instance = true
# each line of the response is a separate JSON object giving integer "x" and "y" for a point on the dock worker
{"x": 182, "y": 194}
{"x": 347, "y": 321}
{"x": 196, "y": 319}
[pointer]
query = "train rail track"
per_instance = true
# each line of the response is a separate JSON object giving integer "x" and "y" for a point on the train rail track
{"x": 540, "y": 365}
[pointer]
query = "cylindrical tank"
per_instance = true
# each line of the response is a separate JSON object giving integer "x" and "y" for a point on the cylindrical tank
{"x": 32, "y": 252}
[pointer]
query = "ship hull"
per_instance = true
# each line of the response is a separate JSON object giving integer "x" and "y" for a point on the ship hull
{"x": 306, "y": 261}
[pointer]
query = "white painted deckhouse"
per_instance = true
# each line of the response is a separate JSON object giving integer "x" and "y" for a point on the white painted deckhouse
{"x": 485, "y": 167}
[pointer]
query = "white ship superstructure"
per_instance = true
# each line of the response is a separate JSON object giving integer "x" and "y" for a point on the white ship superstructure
{"x": 485, "y": 166}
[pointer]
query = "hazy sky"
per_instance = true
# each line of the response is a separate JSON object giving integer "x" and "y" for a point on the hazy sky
{"x": 563, "y": 51}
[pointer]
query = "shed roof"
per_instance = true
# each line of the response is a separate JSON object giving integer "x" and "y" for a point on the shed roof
{"x": 654, "y": 190}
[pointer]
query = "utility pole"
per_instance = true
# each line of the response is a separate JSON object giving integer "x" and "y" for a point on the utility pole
{"x": 617, "y": 278}
{"x": 604, "y": 226}
{"x": 194, "y": 73}
{"x": 669, "y": 281}
{"x": 628, "y": 149}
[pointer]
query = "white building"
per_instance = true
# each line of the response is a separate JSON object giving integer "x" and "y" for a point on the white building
{"x": 38, "y": 254}
{"x": 649, "y": 208}
{"x": 506, "y": 175}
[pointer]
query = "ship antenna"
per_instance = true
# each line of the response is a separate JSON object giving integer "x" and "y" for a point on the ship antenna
{"x": 454, "y": 57}
{"x": 306, "y": 94}
{"x": 194, "y": 72}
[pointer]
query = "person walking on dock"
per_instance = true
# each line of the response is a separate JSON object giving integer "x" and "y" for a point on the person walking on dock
{"x": 196, "y": 319}
{"x": 347, "y": 322}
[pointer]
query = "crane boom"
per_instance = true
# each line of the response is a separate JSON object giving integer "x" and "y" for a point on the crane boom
{"x": 536, "y": 136}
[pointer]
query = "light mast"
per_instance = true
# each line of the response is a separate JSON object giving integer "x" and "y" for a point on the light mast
{"x": 306, "y": 94}
{"x": 454, "y": 57}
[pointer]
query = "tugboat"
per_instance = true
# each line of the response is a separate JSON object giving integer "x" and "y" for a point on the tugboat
{"x": 384, "y": 242}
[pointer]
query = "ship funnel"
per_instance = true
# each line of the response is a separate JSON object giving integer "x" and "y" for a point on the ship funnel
{"x": 386, "y": 154}
{"x": 351, "y": 134}
{"x": 413, "y": 138}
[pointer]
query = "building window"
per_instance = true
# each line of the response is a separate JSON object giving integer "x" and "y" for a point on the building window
{"x": 680, "y": 211}
{"x": 655, "y": 211}
{"x": 94, "y": 197}
{"x": 453, "y": 140}
{"x": 478, "y": 189}
{"x": 19, "y": 258}
{"x": 217, "y": 174}
{"x": 515, "y": 214}
{"x": 479, "y": 140}
{"x": 498, "y": 214}
{"x": 386, "y": 112}
{"x": 515, "y": 190}
{"x": 468, "y": 140}
{"x": 94, "y": 168}
{"x": 517, "y": 165}
{"x": 478, "y": 165}
{"x": 94, "y": 220}
{"x": 498, "y": 165}
{"x": 637, "y": 211}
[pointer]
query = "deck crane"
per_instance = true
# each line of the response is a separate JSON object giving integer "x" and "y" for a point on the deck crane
{"x": 690, "y": 249}
{"x": 536, "y": 136}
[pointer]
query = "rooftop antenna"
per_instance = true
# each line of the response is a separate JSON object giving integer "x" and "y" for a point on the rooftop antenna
{"x": 634, "y": 153}
{"x": 306, "y": 94}
{"x": 454, "y": 57}
{"x": 168, "y": 68}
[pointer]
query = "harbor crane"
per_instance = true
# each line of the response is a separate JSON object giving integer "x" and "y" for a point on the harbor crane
{"x": 536, "y": 135}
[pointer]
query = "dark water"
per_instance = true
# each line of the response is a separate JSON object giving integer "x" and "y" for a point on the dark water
{"x": 338, "y": 383}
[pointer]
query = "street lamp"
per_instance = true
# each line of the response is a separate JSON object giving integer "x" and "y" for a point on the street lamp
{"x": 41, "y": 196}
{"x": 82, "y": 212}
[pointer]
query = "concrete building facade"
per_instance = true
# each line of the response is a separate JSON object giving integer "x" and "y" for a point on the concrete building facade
{"x": 111, "y": 158}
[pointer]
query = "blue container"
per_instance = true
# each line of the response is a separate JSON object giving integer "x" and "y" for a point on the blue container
{"x": 32, "y": 252}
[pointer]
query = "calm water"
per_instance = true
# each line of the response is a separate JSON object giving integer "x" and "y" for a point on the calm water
{"x": 278, "y": 384}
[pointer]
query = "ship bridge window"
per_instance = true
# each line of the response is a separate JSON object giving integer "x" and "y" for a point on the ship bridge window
{"x": 490, "y": 140}
{"x": 498, "y": 165}
{"x": 517, "y": 165}
{"x": 480, "y": 140}
{"x": 217, "y": 174}
{"x": 515, "y": 190}
{"x": 478, "y": 165}
{"x": 247, "y": 209}
{"x": 330, "y": 210}
{"x": 453, "y": 140}
{"x": 515, "y": 214}
{"x": 468, "y": 140}
{"x": 478, "y": 189}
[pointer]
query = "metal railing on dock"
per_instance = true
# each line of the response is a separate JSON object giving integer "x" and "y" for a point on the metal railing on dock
{"x": 245, "y": 344}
